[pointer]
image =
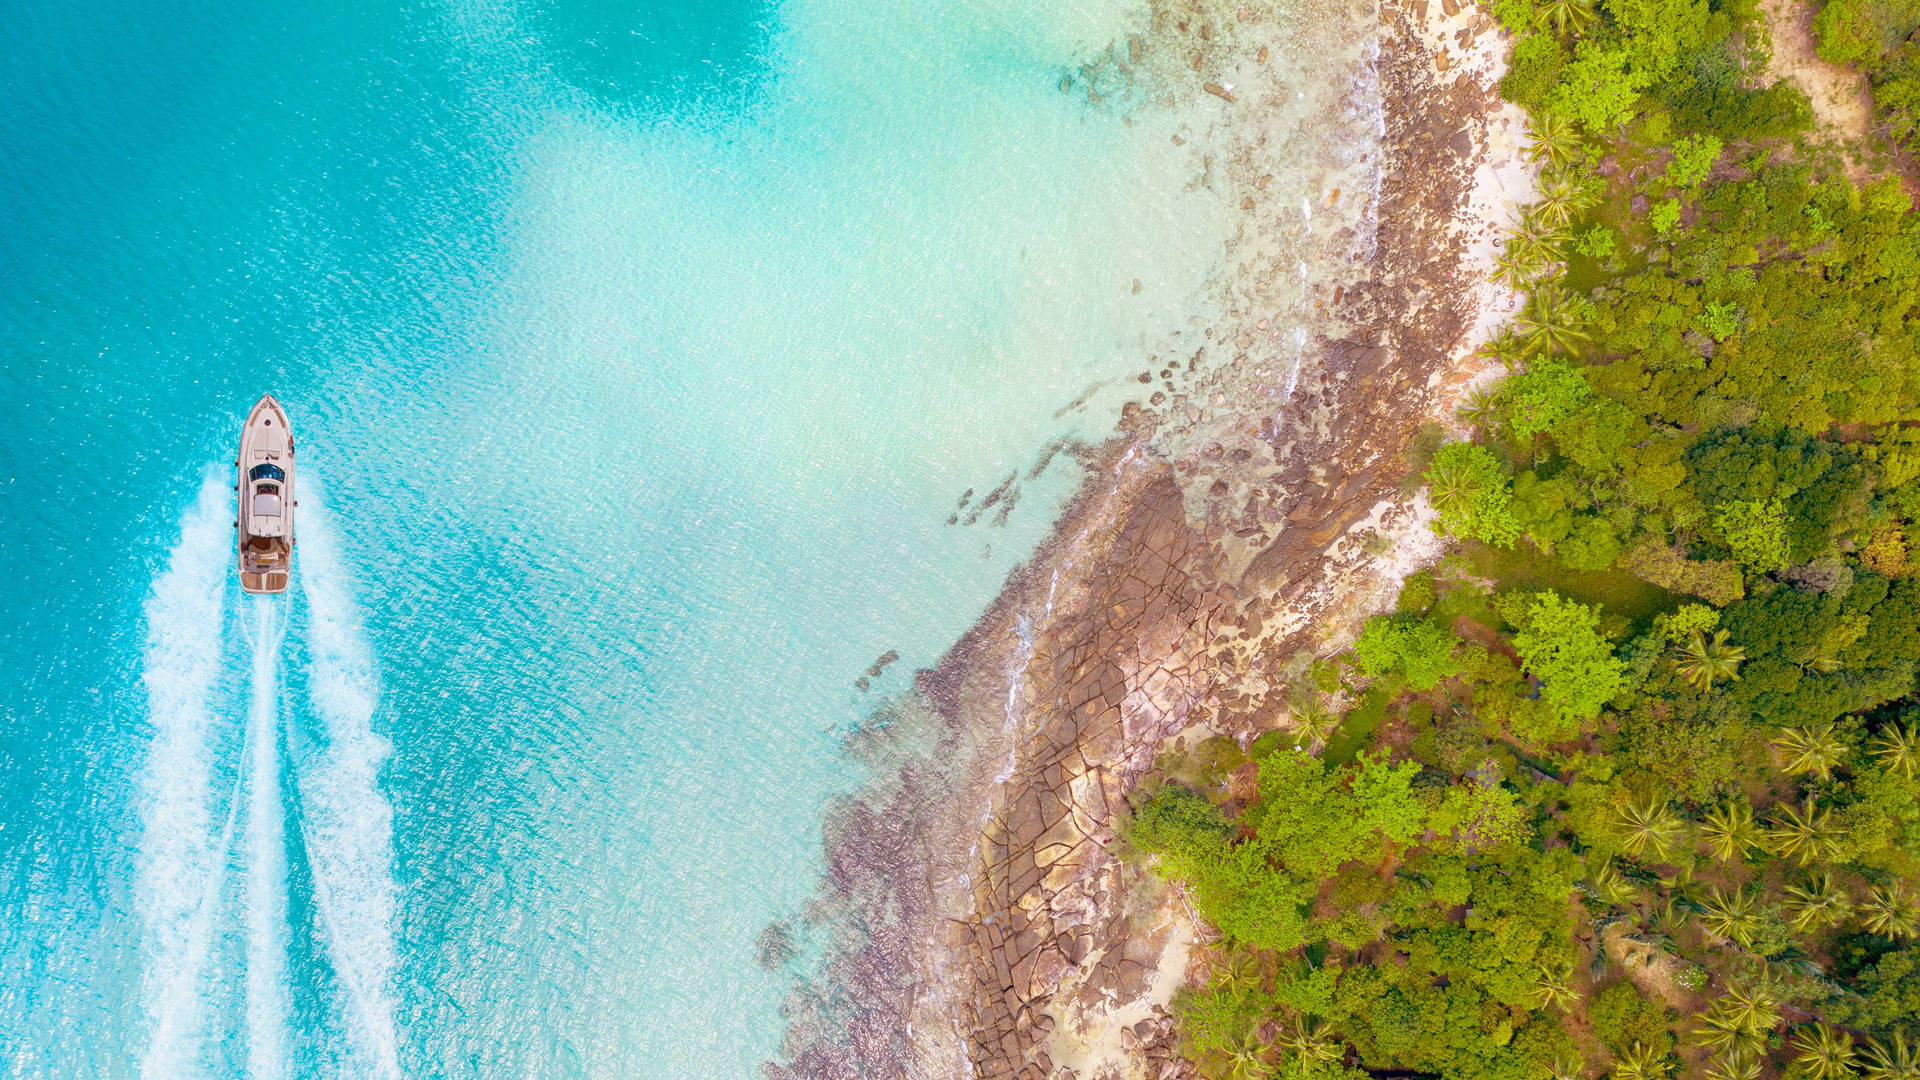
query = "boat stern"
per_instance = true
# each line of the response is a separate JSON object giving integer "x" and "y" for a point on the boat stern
{"x": 265, "y": 583}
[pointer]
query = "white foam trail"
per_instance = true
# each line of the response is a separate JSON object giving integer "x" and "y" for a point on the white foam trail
{"x": 348, "y": 823}
{"x": 177, "y": 875}
{"x": 266, "y": 916}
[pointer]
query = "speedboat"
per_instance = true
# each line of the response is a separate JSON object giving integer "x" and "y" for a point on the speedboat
{"x": 265, "y": 485}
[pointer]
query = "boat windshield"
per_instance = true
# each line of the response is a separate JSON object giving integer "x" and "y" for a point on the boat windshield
{"x": 267, "y": 472}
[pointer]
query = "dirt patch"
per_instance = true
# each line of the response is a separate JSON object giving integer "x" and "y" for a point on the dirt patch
{"x": 1649, "y": 966}
{"x": 1842, "y": 100}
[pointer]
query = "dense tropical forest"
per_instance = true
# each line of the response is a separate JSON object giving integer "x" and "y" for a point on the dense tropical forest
{"x": 1629, "y": 785}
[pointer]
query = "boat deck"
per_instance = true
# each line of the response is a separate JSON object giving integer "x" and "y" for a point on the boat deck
{"x": 265, "y": 565}
{"x": 273, "y": 581}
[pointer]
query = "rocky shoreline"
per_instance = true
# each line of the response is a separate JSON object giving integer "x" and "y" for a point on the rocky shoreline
{"x": 984, "y": 924}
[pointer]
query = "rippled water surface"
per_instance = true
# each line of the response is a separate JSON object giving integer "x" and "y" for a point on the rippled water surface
{"x": 638, "y": 354}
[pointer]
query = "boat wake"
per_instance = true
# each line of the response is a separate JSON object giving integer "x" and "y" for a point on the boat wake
{"x": 181, "y": 662}
{"x": 348, "y": 822}
{"x": 266, "y": 915}
{"x": 200, "y": 732}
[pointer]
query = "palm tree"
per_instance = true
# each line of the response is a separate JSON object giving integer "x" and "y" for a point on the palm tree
{"x": 1566, "y": 1068}
{"x": 1821, "y": 1053}
{"x": 1823, "y": 656}
{"x": 1711, "y": 1034}
{"x": 1898, "y": 749}
{"x": 1642, "y": 1062}
{"x": 1729, "y": 831}
{"x": 1452, "y": 489}
{"x": 1682, "y": 888}
{"x": 1894, "y": 1059}
{"x": 1718, "y": 1031}
{"x": 1556, "y": 139}
{"x": 1817, "y": 902}
{"x": 1532, "y": 241}
{"x": 1518, "y": 266}
{"x": 1738, "y": 1063}
{"x": 1815, "y": 749}
{"x": 1241, "y": 971}
{"x": 1563, "y": 15}
{"x": 1504, "y": 346}
{"x": 1555, "y": 988}
{"x": 1820, "y": 659}
{"x": 1608, "y": 885}
{"x": 1653, "y": 825}
{"x": 1479, "y": 408}
{"x": 1732, "y": 917}
{"x": 1891, "y": 910}
{"x": 1742, "y": 1016}
{"x": 1550, "y": 322}
{"x": 1313, "y": 722}
{"x": 1672, "y": 914}
{"x": 1248, "y": 1058}
{"x": 1562, "y": 198}
{"x": 1804, "y": 832}
{"x": 1312, "y": 1042}
{"x": 1703, "y": 662}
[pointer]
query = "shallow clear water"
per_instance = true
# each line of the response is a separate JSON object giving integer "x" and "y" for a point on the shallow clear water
{"x": 638, "y": 355}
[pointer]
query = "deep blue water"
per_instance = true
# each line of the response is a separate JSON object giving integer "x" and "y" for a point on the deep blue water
{"x": 637, "y": 355}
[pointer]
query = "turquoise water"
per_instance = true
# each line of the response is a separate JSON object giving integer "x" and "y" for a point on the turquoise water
{"x": 638, "y": 355}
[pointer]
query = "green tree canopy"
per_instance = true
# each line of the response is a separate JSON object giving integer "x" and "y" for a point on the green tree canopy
{"x": 1472, "y": 495}
{"x": 1412, "y": 647}
{"x": 1693, "y": 158}
{"x": 1755, "y": 531}
{"x": 1598, "y": 90}
{"x": 1561, "y": 645}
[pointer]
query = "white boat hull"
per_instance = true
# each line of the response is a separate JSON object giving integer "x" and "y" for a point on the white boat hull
{"x": 264, "y": 522}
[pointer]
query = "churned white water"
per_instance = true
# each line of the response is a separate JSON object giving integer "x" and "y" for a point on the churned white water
{"x": 266, "y": 857}
{"x": 348, "y": 823}
{"x": 181, "y": 854}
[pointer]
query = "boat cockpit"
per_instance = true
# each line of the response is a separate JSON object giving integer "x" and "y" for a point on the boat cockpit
{"x": 267, "y": 506}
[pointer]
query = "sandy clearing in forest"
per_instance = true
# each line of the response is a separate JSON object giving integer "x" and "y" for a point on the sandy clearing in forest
{"x": 1842, "y": 103}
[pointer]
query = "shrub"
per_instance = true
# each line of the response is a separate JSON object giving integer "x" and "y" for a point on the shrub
{"x": 1542, "y": 396}
{"x": 1717, "y": 582}
{"x": 1516, "y": 15}
{"x": 1417, "y": 593}
{"x": 1693, "y": 158}
{"x": 1180, "y": 822}
{"x": 1538, "y": 62}
{"x": 1719, "y": 320}
{"x": 1848, "y": 32}
{"x": 1597, "y": 242}
{"x": 1665, "y": 215}
{"x": 1621, "y": 1017}
{"x": 1689, "y": 619}
{"x": 1591, "y": 544}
